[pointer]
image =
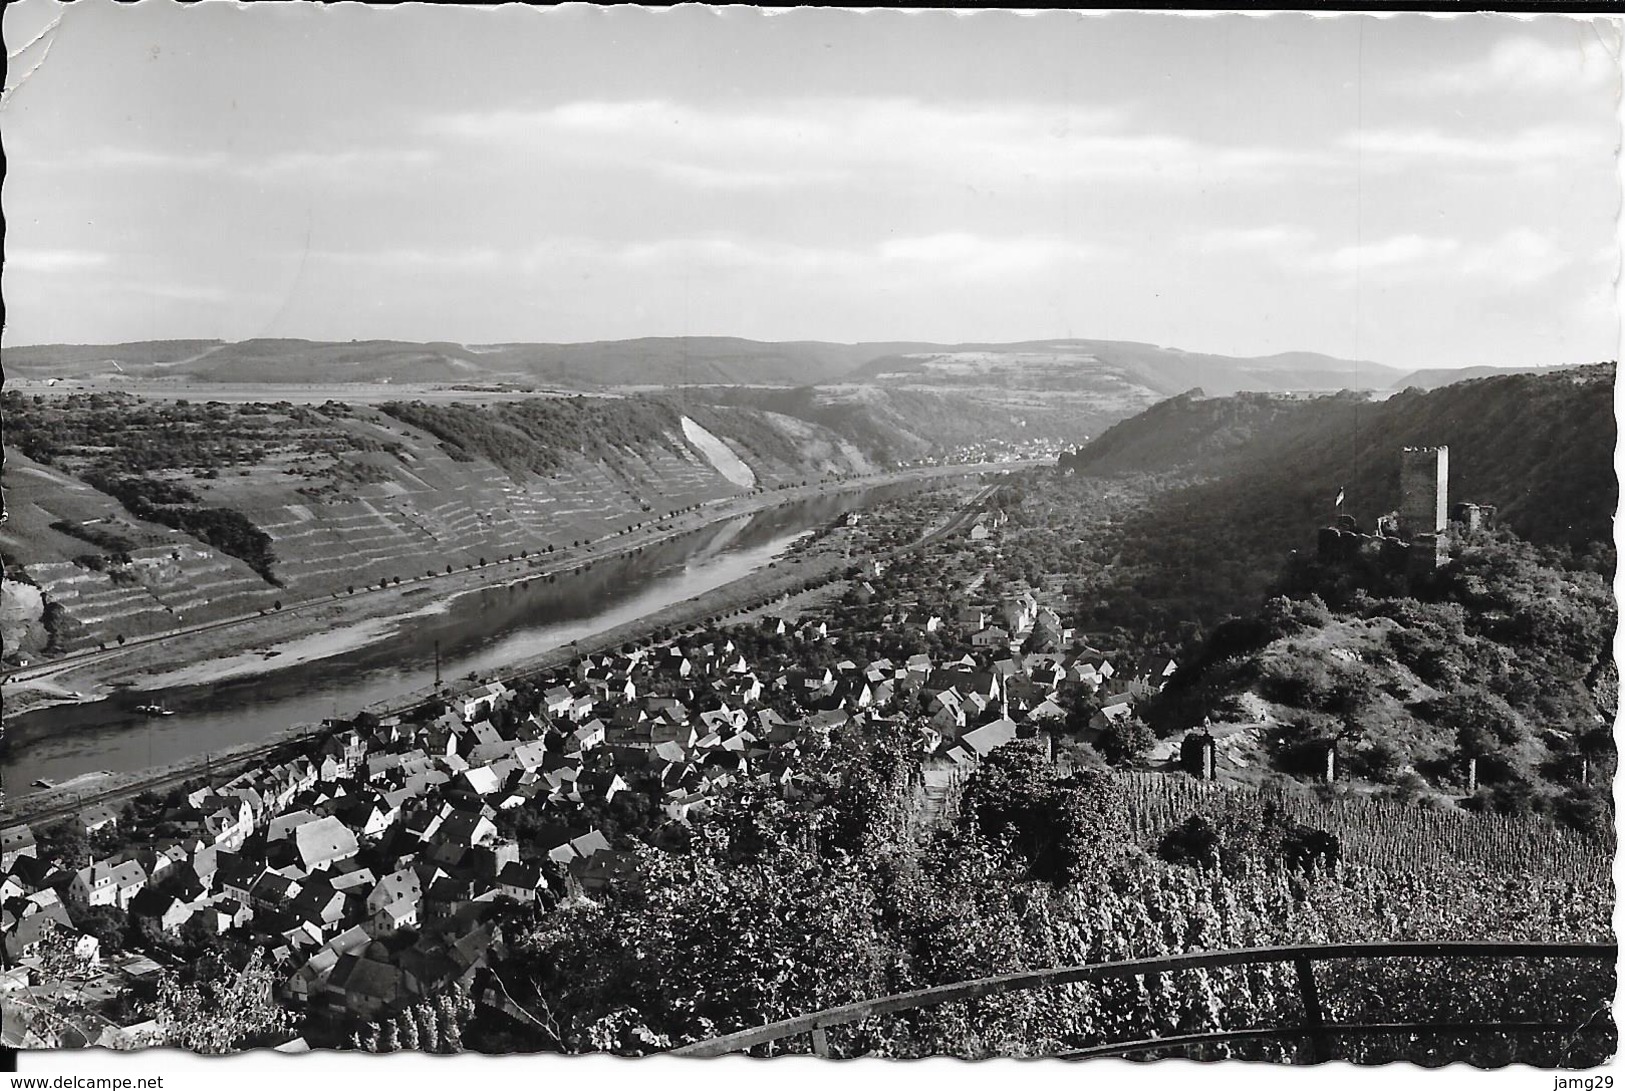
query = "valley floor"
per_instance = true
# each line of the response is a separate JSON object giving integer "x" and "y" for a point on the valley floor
{"x": 316, "y": 629}
{"x": 779, "y": 589}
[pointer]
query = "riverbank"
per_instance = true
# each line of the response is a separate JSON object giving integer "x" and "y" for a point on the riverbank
{"x": 323, "y": 628}
{"x": 822, "y": 565}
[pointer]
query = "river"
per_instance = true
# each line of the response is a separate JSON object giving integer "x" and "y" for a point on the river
{"x": 481, "y": 631}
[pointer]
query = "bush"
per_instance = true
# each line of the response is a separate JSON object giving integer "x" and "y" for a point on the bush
{"x": 1379, "y": 760}
{"x": 1245, "y": 835}
{"x": 1125, "y": 741}
{"x": 1196, "y": 842}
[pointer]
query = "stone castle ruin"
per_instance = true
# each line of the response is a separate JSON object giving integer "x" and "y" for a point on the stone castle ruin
{"x": 1415, "y": 539}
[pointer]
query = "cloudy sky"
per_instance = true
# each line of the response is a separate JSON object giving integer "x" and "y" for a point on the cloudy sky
{"x": 1419, "y": 191}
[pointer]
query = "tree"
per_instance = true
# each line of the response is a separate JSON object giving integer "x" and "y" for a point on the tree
{"x": 107, "y": 923}
{"x": 406, "y": 1030}
{"x": 1062, "y": 828}
{"x": 1196, "y": 842}
{"x": 215, "y": 1008}
{"x": 1482, "y": 721}
{"x": 65, "y": 843}
{"x": 61, "y": 1013}
{"x": 453, "y": 1008}
{"x": 199, "y": 935}
{"x": 365, "y": 1037}
{"x": 1380, "y": 760}
{"x": 428, "y": 1028}
{"x": 1125, "y": 741}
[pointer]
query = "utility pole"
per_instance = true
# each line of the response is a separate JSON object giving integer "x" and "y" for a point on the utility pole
{"x": 437, "y": 666}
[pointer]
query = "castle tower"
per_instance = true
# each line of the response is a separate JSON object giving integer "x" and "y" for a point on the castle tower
{"x": 1424, "y": 485}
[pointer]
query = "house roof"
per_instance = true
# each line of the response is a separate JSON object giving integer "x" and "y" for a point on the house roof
{"x": 283, "y": 825}
{"x": 984, "y": 740}
{"x": 396, "y": 885}
{"x": 274, "y": 887}
{"x": 363, "y": 977}
{"x": 589, "y": 843}
{"x": 359, "y": 879}
{"x": 399, "y": 909}
{"x": 124, "y": 874}
{"x": 323, "y": 841}
{"x": 463, "y": 828}
{"x": 482, "y": 779}
{"x": 526, "y": 876}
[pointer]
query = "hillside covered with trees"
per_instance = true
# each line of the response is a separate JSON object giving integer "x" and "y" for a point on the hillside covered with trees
{"x": 1489, "y": 681}
{"x": 1227, "y": 488}
{"x": 773, "y": 909}
{"x": 1191, "y": 531}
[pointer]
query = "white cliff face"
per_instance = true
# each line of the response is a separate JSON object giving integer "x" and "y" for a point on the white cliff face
{"x": 22, "y": 610}
{"x": 720, "y": 455}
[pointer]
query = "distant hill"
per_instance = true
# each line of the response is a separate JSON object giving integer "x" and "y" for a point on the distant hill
{"x": 1192, "y": 430}
{"x": 650, "y": 361}
{"x": 1116, "y": 367}
{"x": 126, "y": 511}
{"x": 1538, "y": 446}
{"x": 1110, "y": 369}
{"x": 1243, "y": 481}
{"x": 62, "y": 361}
{"x": 889, "y": 400}
{"x": 1433, "y": 378}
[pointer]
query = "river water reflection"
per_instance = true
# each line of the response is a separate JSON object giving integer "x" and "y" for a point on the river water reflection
{"x": 481, "y": 631}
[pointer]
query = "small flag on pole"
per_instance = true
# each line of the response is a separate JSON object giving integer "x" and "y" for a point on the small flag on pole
{"x": 1339, "y": 501}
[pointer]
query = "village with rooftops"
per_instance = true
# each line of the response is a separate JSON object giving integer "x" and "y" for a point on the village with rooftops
{"x": 375, "y": 867}
{"x": 846, "y": 534}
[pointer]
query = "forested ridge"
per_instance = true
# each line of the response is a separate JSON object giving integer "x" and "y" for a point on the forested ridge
{"x": 1539, "y": 447}
{"x": 538, "y": 435}
{"x": 1490, "y": 681}
{"x": 1219, "y": 492}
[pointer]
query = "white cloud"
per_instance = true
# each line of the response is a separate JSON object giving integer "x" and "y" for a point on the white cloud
{"x": 53, "y": 261}
{"x": 974, "y": 256}
{"x": 345, "y": 162}
{"x": 417, "y": 258}
{"x": 1518, "y": 258}
{"x": 819, "y": 141}
{"x": 331, "y": 165}
{"x": 697, "y": 176}
{"x": 1587, "y": 60}
{"x": 193, "y": 293}
{"x": 1550, "y": 144}
{"x": 1274, "y": 238}
{"x": 1401, "y": 252}
{"x": 947, "y": 256}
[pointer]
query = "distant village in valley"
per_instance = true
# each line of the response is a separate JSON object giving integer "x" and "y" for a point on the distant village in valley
{"x": 377, "y": 865}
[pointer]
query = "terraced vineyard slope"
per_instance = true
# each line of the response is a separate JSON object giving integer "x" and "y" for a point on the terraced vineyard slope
{"x": 133, "y": 516}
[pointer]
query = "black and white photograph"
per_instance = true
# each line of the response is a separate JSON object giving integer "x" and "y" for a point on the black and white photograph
{"x": 814, "y": 533}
